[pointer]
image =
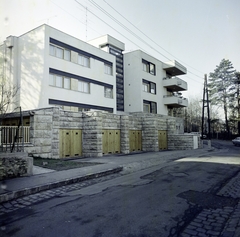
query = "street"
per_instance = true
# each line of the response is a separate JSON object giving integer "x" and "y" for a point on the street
{"x": 163, "y": 200}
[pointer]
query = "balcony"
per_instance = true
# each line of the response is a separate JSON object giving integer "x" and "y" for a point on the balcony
{"x": 175, "y": 84}
{"x": 175, "y": 101}
{"x": 174, "y": 68}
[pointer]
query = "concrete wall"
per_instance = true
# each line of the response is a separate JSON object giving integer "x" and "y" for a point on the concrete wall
{"x": 45, "y": 125}
{"x": 15, "y": 164}
{"x": 134, "y": 74}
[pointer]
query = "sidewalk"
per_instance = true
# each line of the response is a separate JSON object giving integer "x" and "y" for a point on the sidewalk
{"x": 46, "y": 179}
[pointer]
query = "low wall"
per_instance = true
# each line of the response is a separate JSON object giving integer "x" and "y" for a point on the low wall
{"x": 45, "y": 125}
{"x": 15, "y": 164}
{"x": 183, "y": 142}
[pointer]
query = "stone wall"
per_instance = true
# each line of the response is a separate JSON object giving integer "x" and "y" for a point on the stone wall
{"x": 15, "y": 164}
{"x": 182, "y": 142}
{"x": 45, "y": 125}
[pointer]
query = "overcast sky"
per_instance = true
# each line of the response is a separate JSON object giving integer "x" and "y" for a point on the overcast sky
{"x": 196, "y": 33}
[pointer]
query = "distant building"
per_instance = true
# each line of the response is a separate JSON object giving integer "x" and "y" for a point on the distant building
{"x": 52, "y": 68}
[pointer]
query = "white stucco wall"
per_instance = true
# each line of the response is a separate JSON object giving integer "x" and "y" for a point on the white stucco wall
{"x": 33, "y": 62}
{"x": 133, "y": 74}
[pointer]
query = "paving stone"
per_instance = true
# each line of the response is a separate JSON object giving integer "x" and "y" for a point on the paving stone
{"x": 191, "y": 232}
{"x": 212, "y": 232}
{"x": 196, "y": 224}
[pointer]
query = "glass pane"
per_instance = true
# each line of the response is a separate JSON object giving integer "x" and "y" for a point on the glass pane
{"x": 86, "y": 62}
{"x": 144, "y": 67}
{"x": 59, "y": 81}
{"x": 152, "y": 69}
{"x": 52, "y": 50}
{"x": 80, "y": 86}
{"x": 86, "y": 87}
{"x": 51, "y": 80}
{"x": 80, "y": 59}
{"x": 145, "y": 87}
{"x": 153, "y": 88}
{"x": 108, "y": 92}
{"x": 146, "y": 108}
{"x": 67, "y": 55}
{"x": 59, "y": 53}
{"x": 154, "y": 107}
{"x": 66, "y": 83}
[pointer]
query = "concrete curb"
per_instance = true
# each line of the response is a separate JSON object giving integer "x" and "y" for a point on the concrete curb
{"x": 32, "y": 190}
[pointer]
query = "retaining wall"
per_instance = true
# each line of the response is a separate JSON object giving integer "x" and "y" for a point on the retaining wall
{"x": 46, "y": 123}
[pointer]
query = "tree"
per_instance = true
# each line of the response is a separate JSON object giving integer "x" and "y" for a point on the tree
{"x": 8, "y": 101}
{"x": 236, "y": 100}
{"x": 220, "y": 86}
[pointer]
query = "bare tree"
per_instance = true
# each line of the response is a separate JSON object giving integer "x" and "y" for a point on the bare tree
{"x": 8, "y": 102}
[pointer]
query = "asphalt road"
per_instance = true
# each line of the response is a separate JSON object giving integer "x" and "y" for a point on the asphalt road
{"x": 159, "y": 201}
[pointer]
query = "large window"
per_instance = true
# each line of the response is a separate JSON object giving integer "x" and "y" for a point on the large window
{"x": 148, "y": 86}
{"x": 149, "y": 107}
{"x": 108, "y": 69}
{"x": 83, "y": 86}
{"x": 59, "y": 81}
{"x": 108, "y": 92}
{"x": 60, "y": 52}
{"x": 83, "y": 60}
{"x": 149, "y": 67}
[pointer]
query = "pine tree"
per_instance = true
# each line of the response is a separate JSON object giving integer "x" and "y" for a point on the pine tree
{"x": 221, "y": 87}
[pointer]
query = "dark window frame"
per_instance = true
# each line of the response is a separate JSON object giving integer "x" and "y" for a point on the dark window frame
{"x": 151, "y": 85}
{"x": 153, "y": 106}
{"x": 149, "y": 65}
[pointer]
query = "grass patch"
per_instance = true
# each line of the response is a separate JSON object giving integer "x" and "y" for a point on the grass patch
{"x": 58, "y": 164}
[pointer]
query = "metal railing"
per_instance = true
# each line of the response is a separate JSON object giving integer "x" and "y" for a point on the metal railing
{"x": 10, "y": 133}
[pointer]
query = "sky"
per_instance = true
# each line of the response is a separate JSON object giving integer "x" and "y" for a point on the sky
{"x": 196, "y": 33}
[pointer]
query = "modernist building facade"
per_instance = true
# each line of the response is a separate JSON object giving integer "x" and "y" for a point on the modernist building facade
{"x": 52, "y": 68}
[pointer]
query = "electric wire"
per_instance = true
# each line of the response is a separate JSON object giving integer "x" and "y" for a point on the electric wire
{"x": 149, "y": 37}
{"x": 130, "y": 31}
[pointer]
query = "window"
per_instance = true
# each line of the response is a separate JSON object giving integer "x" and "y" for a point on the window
{"x": 60, "y": 52}
{"x": 108, "y": 92}
{"x": 148, "y": 67}
{"x": 149, "y": 107}
{"x": 59, "y": 81}
{"x": 108, "y": 69}
{"x": 83, "y": 87}
{"x": 146, "y": 108}
{"x": 145, "y": 87}
{"x": 149, "y": 87}
{"x": 83, "y": 60}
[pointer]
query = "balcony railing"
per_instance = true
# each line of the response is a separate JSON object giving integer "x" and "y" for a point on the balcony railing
{"x": 175, "y": 101}
{"x": 175, "y": 84}
{"x": 8, "y": 134}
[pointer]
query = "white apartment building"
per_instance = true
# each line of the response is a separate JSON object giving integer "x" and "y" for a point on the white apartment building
{"x": 151, "y": 85}
{"x": 52, "y": 68}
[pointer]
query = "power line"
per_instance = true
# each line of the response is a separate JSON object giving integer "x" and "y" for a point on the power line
{"x": 131, "y": 32}
{"x": 84, "y": 23}
{"x": 149, "y": 37}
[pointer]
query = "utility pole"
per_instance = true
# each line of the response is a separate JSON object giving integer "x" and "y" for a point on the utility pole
{"x": 206, "y": 105}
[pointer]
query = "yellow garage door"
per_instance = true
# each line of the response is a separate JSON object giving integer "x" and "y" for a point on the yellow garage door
{"x": 135, "y": 140}
{"x": 110, "y": 141}
{"x": 70, "y": 142}
{"x": 162, "y": 140}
